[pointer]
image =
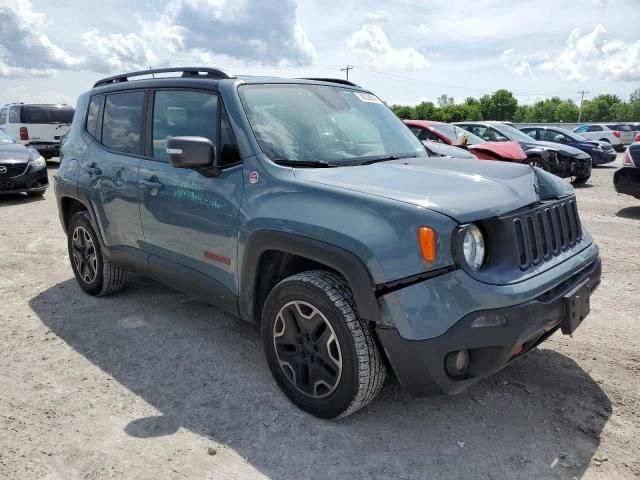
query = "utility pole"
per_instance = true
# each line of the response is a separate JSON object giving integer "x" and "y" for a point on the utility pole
{"x": 346, "y": 69}
{"x": 582, "y": 93}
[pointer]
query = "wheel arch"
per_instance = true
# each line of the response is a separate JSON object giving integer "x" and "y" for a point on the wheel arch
{"x": 270, "y": 256}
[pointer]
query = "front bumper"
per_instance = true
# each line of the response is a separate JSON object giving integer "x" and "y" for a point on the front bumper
{"x": 420, "y": 364}
{"x": 600, "y": 158}
{"x": 627, "y": 180}
{"x": 30, "y": 181}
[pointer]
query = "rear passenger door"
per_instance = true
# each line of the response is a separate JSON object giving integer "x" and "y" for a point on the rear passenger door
{"x": 109, "y": 172}
{"x": 190, "y": 220}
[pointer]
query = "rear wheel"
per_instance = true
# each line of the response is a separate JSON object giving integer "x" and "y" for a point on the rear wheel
{"x": 95, "y": 274}
{"x": 321, "y": 354}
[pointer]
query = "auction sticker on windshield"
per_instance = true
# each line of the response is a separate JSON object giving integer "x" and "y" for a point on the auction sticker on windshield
{"x": 367, "y": 97}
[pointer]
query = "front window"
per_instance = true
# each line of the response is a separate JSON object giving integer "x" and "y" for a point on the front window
{"x": 5, "y": 137}
{"x": 332, "y": 125}
{"x": 512, "y": 133}
{"x": 457, "y": 135}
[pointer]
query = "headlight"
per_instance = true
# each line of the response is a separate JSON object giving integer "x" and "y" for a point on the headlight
{"x": 473, "y": 247}
{"x": 38, "y": 163}
{"x": 598, "y": 149}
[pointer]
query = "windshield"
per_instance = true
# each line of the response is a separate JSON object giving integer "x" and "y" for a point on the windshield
{"x": 512, "y": 133}
{"x": 47, "y": 114}
{"x": 456, "y": 134}
{"x": 572, "y": 135}
{"x": 5, "y": 137}
{"x": 318, "y": 123}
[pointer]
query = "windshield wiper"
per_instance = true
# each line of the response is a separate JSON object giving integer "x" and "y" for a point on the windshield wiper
{"x": 388, "y": 157}
{"x": 305, "y": 163}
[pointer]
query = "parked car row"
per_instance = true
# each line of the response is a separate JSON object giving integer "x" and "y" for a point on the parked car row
{"x": 499, "y": 141}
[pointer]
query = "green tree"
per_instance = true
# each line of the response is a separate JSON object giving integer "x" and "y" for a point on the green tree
{"x": 404, "y": 112}
{"x": 635, "y": 95}
{"x": 445, "y": 101}
{"x": 425, "y": 111}
{"x": 501, "y": 105}
{"x": 600, "y": 108}
{"x": 567, "y": 111}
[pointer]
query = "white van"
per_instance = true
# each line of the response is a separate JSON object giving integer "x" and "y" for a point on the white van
{"x": 37, "y": 126}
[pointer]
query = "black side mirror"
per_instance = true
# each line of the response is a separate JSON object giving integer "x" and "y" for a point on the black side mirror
{"x": 191, "y": 152}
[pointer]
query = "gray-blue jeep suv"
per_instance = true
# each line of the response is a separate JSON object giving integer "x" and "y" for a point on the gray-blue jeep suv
{"x": 307, "y": 207}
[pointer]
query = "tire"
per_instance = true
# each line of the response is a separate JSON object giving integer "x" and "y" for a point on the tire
{"x": 36, "y": 194}
{"x": 347, "y": 371}
{"x": 582, "y": 177}
{"x": 95, "y": 274}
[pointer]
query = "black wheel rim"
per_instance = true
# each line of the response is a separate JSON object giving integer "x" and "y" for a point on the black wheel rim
{"x": 84, "y": 254}
{"x": 307, "y": 348}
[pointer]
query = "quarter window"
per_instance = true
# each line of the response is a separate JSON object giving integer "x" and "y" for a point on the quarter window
{"x": 122, "y": 124}
{"x": 182, "y": 113}
{"x": 3, "y": 116}
{"x": 14, "y": 115}
{"x": 92, "y": 116}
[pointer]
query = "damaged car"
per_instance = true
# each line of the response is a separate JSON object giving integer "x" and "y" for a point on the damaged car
{"x": 307, "y": 207}
{"x": 559, "y": 159}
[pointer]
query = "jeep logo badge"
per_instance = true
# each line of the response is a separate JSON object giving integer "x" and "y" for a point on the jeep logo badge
{"x": 3, "y": 169}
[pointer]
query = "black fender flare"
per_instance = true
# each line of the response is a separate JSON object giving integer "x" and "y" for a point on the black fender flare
{"x": 337, "y": 258}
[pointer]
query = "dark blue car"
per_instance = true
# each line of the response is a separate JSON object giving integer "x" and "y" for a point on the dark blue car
{"x": 601, "y": 152}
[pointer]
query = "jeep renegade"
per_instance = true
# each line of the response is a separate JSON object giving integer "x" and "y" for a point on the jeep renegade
{"x": 307, "y": 207}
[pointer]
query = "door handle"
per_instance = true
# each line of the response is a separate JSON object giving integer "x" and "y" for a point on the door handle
{"x": 92, "y": 169}
{"x": 151, "y": 185}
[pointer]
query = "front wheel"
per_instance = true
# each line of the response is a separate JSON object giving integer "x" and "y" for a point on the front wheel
{"x": 321, "y": 354}
{"x": 95, "y": 274}
{"x": 582, "y": 175}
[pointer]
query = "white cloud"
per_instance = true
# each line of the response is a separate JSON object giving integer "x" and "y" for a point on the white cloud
{"x": 372, "y": 41}
{"x": 592, "y": 52}
{"x": 519, "y": 67}
{"x": 24, "y": 47}
{"x": 377, "y": 16}
{"x": 246, "y": 30}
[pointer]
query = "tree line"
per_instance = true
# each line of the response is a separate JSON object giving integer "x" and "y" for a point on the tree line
{"x": 502, "y": 105}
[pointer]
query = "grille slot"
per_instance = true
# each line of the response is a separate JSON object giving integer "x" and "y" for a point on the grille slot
{"x": 545, "y": 232}
{"x": 13, "y": 170}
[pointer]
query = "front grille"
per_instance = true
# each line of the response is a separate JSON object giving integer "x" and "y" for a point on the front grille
{"x": 13, "y": 170}
{"x": 546, "y": 232}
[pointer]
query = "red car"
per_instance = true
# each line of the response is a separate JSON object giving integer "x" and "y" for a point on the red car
{"x": 427, "y": 130}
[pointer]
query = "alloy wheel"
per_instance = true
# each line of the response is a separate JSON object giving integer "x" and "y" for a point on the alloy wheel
{"x": 307, "y": 348}
{"x": 84, "y": 254}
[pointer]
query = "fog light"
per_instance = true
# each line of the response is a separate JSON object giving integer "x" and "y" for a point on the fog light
{"x": 457, "y": 363}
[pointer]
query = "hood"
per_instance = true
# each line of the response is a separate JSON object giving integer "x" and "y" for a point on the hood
{"x": 510, "y": 150}
{"x": 465, "y": 190}
{"x": 14, "y": 151}
{"x": 444, "y": 150}
{"x": 560, "y": 147}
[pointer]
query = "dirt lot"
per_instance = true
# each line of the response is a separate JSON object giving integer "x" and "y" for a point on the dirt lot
{"x": 150, "y": 384}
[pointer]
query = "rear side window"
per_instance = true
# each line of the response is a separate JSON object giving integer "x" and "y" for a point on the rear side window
{"x": 92, "y": 116}
{"x": 14, "y": 115}
{"x": 620, "y": 128}
{"x": 3, "y": 115}
{"x": 182, "y": 113}
{"x": 47, "y": 114}
{"x": 122, "y": 123}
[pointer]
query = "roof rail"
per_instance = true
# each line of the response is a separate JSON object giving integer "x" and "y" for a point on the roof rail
{"x": 196, "y": 72}
{"x": 332, "y": 80}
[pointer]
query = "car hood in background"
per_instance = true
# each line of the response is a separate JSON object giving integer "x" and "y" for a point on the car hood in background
{"x": 14, "y": 151}
{"x": 510, "y": 150}
{"x": 561, "y": 147}
{"x": 442, "y": 149}
{"x": 465, "y": 190}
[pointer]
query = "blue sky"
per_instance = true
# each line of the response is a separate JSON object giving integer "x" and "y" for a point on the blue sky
{"x": 404, "y": 50}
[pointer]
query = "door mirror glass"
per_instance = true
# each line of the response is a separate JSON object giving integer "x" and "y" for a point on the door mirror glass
{"x": 559, "y": 139}
{"x": 191, "y": 152}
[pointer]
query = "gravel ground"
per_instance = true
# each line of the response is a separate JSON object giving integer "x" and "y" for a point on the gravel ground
{"x": 151, "y": 384}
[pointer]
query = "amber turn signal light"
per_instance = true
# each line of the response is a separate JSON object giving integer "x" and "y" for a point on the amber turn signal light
{"x": 427, "y": 239}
